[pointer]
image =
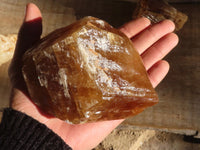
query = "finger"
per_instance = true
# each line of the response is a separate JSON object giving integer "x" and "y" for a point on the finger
{"x": 134, "y": 27}
{"x": 159, "y": 50}
{"x": 158, "y": 71}
{"x": 152, "y": 34}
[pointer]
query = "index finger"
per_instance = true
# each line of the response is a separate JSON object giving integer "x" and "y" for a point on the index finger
{"x": 134, "y": 27}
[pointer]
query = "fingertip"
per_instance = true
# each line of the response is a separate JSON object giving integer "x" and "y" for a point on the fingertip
{"x": 175, "y": 38}
{"x": 170, "y": 24}
{"x": 158, "y": 72}
{"x": 164, "y": 64}
{"x": 134, "y": 27}
{"x": 146, "y": 21}
{"x": 32, "y": 12}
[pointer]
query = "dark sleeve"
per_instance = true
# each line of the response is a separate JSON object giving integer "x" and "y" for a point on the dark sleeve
{"x": 21, "y": 132}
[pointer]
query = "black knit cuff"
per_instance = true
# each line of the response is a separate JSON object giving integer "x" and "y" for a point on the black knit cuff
{"x": 19, "y": 131}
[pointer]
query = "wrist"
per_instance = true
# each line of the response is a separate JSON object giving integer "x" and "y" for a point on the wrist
{"x": 19, "y": 131}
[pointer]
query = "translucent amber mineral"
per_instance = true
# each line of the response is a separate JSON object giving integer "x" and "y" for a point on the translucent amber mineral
{"x": 86, "y": 72}
{"x": 158, "y": 10}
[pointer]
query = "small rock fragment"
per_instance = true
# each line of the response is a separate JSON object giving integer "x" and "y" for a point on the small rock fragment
{"x": 159, "y": 10}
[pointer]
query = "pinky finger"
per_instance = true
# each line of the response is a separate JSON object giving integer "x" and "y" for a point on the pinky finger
{"x": 158, "y": 71}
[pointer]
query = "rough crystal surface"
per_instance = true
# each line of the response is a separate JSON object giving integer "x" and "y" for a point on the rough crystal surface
{"x": 86, "y": 72}
{"x": 158, "y": 10}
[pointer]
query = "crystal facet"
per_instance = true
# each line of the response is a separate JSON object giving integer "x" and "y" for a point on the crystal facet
{"x": 86, "y": 72}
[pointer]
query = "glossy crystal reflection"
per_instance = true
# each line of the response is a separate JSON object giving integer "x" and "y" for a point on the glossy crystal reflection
{"x": 86, "y": 72}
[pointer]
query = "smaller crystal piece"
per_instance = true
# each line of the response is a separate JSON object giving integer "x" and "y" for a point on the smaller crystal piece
{"x": 158, "y": 10}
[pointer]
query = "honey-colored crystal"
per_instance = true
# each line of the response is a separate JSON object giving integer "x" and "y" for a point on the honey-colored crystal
{"x": 86, "y": 72}
{"x": 158, "y": 10}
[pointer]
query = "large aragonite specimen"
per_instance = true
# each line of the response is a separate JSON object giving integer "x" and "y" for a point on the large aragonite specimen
{"x": 86, "y": 72}
{"x": 159, "y": 10}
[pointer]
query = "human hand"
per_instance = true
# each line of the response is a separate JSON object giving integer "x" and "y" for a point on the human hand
{"x": 152, "y": 42}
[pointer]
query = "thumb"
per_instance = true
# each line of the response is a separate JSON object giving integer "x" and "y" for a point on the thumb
{"x": 30, "y": 30}
{"x": 29, "y": 34}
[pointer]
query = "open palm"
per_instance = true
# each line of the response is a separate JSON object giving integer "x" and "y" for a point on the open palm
{"x": 152, "y": 42}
